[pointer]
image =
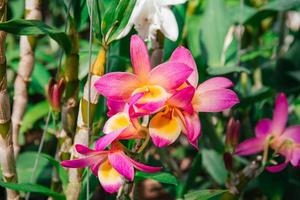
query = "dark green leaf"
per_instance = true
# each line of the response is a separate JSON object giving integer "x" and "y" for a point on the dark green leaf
{"x": 225, "y": 70}
{"x": 34, "y": 188}
{"x": 161, "y": 177}
{"x": 35, "y": 27}
{"x": 202, "y": 194}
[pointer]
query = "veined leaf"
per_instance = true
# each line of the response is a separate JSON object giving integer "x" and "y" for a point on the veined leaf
{"x": 225, "y": 70}
{"x": 36, "y": 27}
{"x": 161, "y": 177}
{"x": 203, "y": 194}
{"x": 29, "y": 187}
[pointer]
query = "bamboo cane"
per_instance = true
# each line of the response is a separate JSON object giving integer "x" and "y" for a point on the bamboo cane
{"x": 82, "y": 131}
{"x": 26, "y": 65}
{"x": 7, "y": 159}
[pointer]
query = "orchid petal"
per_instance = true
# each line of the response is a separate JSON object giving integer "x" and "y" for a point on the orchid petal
{"x": 214, "y": 100}
{"x": 263, "y": 128}
{"x": 117, "y": 85}
{"x": 109, "y": 178}
{"x": 295, "y": 160}
{"x": 192, "y": 128}
{"x": 82, "y": 162}
{"x": 84, "y": 150}
{"x": 122, "y": 164}
{"x": 107, "y": 139}
{"x": 139, "y": 57}
{"x": 214, "y": 84}
{"x": 164, "y": 129}
{"x": 250, "y": 146}
{"x": 280, "y": 115}
{"x": 169, "y": 24}
{"x": 118, "y": 121}
{"x": 144, "y": 168}
{"x": 184, "y": 56}
{"x": 170, "y": 75}
{"x": 115, "y": 107}
{"x": 277, "y": 168}
{"x": 292, "y": 132}
{"x": 182, "y": 98}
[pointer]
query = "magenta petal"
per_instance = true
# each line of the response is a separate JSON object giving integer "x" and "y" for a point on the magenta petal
{"x": 293, "y": 132}
{"x": 139, "y": 57}
{"x": 84, "y": 150}
{"x": 117, "y": 85}
{"x": 277, "y": 168}
{"x": 263, "y": 128}
{"x": 95, "y": 168}
{"x": 250, "y": 146}
{"x": 280, "y": 115}
{"x": 122, "y": 164}
{"x": 107, "y": 139}
{"x": 214, "y": 84}
{"x": 170, "y": 75}
{"x": 182, "y": 98}
{"x": 81, "y": 163}
{"x": 193, "y": 128}
{"x": 144, "y": 168}
{"x": 184, "y": 56}
{"x": 295, "y": 160}
{"x": 115, "y": 107}
{"x": 214, "y": 100}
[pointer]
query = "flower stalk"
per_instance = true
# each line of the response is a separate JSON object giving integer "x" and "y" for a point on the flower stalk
{"x": 25, "y": 69}
{"x": 7, "y": 159}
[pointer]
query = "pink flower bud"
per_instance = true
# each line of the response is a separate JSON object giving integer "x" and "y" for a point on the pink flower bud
{"x": 55, "y": 92}
{"x": 232, "y": 134}
{"x": 228, "y": 160}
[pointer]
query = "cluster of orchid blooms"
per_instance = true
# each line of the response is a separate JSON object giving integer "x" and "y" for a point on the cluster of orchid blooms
{"x": 161, "y": 103}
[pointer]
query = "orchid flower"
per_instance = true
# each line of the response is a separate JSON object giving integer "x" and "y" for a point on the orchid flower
{"x": 149, "y": 16}
{"x": 147, "y": 89}
{"x": 273, "y": 133}
{"x": 181, "y": 111}
{"x": 111, "y": 167}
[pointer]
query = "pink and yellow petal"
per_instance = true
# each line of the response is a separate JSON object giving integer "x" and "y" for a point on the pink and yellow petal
{"x": 117, "y": 86}
{"x": 183, "y": 55}
{"x": 292, "y": 133}
{"x": 214, "y": 100}
{"x": 170, "y": 75}
{"x": 118, "y": 121}
{"x": 109, "y": 178}
{"x": 120, "y": 162}
{"x": 115, "y": 107}
{"x": 107, "y": 139}
{"x": 139, "y": 57}
{"x": 182, "y": 99}
{"x": 164, "y": 128}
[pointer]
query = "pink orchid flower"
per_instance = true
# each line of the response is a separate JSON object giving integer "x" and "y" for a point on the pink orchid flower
{"x": 181, "y": 110}
{"x": 273, "y": 133}
{"x": 147, "y": 89}
{"x": 111, "y": 167}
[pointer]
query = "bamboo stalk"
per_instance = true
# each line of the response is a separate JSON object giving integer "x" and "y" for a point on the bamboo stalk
{"x": 26, "y": 65}
{"x": 7, "y": 159}
{"x": 83, "y": 130}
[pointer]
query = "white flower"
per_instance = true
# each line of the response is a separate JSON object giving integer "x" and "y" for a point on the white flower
{"x": 149, "y": 16}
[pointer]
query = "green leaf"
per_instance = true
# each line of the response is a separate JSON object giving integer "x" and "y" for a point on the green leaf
{"x": 40, "y": 78}
{"x": 225, "y": 70}
{"x": 116, "y": 18}
{"x": 161, "y": 177}
{"x": 63, "y": 174}
{"x": 203, "y": 194}
{"x": 33, "y": 114}
{"x": 282, "y": 5}
{"x": 214, "y": 27}
{"x": 98, "y": 9}
{"x": 213, "y": 163}
{"x": 36, "y": 27}
{"x": 25, "y": 164}
{"x": 34, "y": 188}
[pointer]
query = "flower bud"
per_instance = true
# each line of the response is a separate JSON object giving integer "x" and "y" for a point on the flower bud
{"x": 228, "y": 160}
{"x": 232, "y": 134}
{"x": 55, "y": 92}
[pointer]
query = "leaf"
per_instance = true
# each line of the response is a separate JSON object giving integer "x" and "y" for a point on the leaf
{"x": 36, "y": 27}
{"x": 97, "y": 11}
{"x": 34, "y": 188}
{"x": 282, "y": 5}
{"x": 33, "y": 114}
{"x": 63, "y": 174}
{"x": 116, "y": 18}
{"x": 214, "y": 27}
{"x": 203, "y": 194}
{"x": 40, "y": 78}
{"x": 161, "y": 177}
{"x": 213, "y": 163}
{"x": 25, "y": 164}
{"x": 225, "y": 70}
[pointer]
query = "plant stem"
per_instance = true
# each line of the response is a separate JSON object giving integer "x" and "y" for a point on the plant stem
{"x": 7, "y": 159}
{"x": 26, "y": 65}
